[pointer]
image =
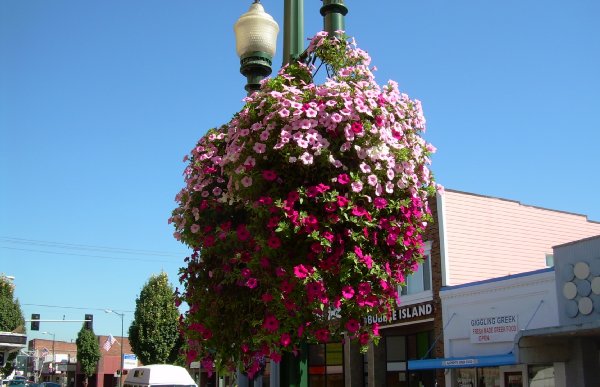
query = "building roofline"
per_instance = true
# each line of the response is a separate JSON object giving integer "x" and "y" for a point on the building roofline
{"x": 520, "y": 203}
{"x": 577, "y": 241}
{"x": 497, "y": 279}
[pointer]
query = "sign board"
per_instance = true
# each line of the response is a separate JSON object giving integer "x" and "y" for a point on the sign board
{"x": 406, "y": 313}
{"x": 129, "y": 361}
{"x": 494, "y": 328}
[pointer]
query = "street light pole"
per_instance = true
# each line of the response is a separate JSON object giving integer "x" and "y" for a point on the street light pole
{"x": 122, "y": 315}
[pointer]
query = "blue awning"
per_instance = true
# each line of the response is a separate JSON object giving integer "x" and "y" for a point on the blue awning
{"x": 463, "y": 362}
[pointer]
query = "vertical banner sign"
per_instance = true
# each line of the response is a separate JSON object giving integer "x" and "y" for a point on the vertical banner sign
{"x": 494, "y": 329}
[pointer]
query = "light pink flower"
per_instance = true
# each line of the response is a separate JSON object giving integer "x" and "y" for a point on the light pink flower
{"x": 372, "y": 180}
{"x": 357, "y": 186}
{"x": 259, "y": 147}
{"x": 246, "y": 181}
{"x": 307, "y": 158}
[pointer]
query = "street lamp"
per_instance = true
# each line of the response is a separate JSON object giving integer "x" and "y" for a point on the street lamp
{"x": 53, "y": 341}
{"x": 256, "y": 36}
{"x": 256, "y": 39}
{"x": 121, "y": 344}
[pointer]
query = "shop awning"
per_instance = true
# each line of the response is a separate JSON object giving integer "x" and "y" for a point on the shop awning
{"x": 463, "y": 362}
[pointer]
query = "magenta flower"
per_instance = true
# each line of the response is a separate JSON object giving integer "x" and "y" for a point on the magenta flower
{"x": 301, "y": 271}
{"x": 285, "y": 339}
{"x": 347, "y": 292}
{"x": 270, "y": 323}
{"x": 343, "y": 178}
{"x": 379, "y": 203}
{"x": 269, "y": 175}
{"x": 273, "y": 242}
{"x": 357, "y": 127}
{"x": 322, "y": 335}
{"x": 352, "y": 325}
{"x": 251, "y": 283}
{"x": 242, "y": 233}
{"x": 342, "y": 201}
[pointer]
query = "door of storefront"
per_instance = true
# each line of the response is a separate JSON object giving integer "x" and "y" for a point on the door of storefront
{"x": 513, "y": 379}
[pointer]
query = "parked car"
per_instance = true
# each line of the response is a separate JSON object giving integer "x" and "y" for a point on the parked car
{"x": 49, "y": 384}
{"x": 17, "y": 383}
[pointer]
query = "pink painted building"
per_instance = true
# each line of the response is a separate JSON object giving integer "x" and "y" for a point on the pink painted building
{"x": 473, "y": 238}
{"x": 483, "y": 237}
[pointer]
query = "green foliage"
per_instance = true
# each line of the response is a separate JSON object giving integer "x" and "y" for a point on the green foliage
{"x": 88, "y": 351}
{"x": 154, "y": 333}
{"x": 11, "y": 315}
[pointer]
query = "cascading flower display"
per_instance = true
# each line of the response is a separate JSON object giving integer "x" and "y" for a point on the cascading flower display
{"x": 305, "y": 212}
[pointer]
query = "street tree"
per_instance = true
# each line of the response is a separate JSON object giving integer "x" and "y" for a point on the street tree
{"x": 11, "y": 318}
{"x": 88, "y": 353}
{"x": 154, "y": 333}
{"x": 11, "y": 315}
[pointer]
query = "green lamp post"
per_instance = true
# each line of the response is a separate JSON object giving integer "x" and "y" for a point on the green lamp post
{"x": 256, "y": 37}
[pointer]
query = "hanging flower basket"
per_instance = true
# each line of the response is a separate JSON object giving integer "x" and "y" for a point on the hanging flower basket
{"x": 305, "y": 212}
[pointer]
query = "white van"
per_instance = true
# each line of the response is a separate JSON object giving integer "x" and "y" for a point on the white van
{"x": 163, "y": 375}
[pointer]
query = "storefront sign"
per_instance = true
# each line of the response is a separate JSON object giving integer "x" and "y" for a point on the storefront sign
{"x": 405, "y": 313}
{"x": 494, "y": 329}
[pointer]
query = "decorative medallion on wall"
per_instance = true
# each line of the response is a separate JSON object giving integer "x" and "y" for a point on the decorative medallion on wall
{"x": 582, "y": 288}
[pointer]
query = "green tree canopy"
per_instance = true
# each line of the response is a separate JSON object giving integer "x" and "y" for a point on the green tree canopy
{"x": 154, "y": 333}
{"x": 11, "y": 315}
{"x": 88, "y": 352}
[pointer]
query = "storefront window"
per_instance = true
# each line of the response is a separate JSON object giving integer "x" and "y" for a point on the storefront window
{"x": 541, "y": 376}
{"x": 476, "y": 377}
{"x": 400, "y": 349}
{"x": 325, "y": 365}
{"x": 466, "y": 377}
{"x": 420, "y": 280}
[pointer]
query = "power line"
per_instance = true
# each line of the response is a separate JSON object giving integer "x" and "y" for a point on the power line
{"x": 87, "y": 255}
{"x": 75, "y": 246}
{"x": 76, "y": 307}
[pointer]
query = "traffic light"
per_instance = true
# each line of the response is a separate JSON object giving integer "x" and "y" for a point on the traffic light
{"x": 89, "y": 322}
{"x": 35, "y": 325}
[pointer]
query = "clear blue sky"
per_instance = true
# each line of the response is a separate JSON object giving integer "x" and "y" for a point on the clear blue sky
{"x": 100, "y": 101}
